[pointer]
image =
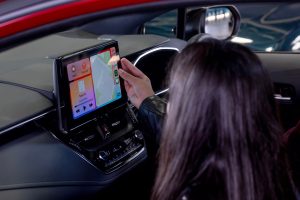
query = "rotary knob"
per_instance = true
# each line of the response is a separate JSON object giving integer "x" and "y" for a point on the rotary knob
{"x": 103, "y": 155}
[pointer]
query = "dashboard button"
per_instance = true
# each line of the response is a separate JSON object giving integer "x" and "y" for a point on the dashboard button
{"x": 127, "y": 141}
{"x": 138, "y": 135}
{"x": 103, "y": 155}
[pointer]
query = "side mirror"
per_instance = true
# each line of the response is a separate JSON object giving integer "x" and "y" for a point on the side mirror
{"x": 221, "y": 22}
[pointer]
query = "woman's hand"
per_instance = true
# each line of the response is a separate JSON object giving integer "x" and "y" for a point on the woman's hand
{"x": 137, "y": 84}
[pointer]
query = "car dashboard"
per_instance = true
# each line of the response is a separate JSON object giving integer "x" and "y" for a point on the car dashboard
{"x": 88, "y": 161}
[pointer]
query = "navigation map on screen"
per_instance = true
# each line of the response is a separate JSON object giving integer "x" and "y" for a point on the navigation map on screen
{"x": 94, "y": 82}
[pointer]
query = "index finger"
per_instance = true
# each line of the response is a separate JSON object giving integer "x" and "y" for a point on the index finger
{"x": 129, "y": 67}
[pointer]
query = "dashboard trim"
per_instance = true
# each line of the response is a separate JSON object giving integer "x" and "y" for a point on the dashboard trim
{"x": 17, "y": 125}
{"x": 154, "y": 50}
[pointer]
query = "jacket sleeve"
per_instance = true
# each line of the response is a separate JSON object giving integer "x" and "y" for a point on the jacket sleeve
{"x": 151, "y": 116}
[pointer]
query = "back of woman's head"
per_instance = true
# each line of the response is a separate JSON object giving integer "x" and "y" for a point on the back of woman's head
{"x": 221, "y": 137}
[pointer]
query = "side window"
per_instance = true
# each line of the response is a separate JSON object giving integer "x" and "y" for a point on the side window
{"x": 164, "y": 25}
{"x": 270, "y": 27}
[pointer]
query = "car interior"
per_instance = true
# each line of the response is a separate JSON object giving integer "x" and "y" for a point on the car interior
{"x": 59, "y": 143}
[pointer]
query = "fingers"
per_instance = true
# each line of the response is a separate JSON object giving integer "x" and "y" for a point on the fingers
{"x": 128, "y": 77}
{"x": 127, "y": 87}
{"x": 130, "y": 92}
{"x": 129, "y": 67}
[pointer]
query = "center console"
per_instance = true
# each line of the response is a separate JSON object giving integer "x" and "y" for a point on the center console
{"x": 94, "y": 116}
{"x": 109, "y": 141}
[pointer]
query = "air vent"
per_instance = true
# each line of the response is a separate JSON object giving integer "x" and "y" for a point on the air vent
{"x": 284, "y": 92}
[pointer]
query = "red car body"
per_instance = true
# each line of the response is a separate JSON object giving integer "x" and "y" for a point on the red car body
{"x": 61, "y": 12}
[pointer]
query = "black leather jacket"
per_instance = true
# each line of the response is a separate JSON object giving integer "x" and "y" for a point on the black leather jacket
{"x": 151, "y": 115}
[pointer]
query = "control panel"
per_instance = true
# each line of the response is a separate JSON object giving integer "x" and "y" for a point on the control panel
{"x": 110, "y": 141}
{"x": 120, "y": 151}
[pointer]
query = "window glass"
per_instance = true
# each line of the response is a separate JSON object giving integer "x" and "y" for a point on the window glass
{"x": 164, "y": 25}
{"x": 264, "y": 27}
{"x": 270, "y": 27}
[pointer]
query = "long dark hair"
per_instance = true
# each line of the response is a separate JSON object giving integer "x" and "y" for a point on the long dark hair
{"x": 221, "y": 137}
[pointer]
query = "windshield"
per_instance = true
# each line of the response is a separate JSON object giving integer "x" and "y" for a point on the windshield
{"x": 264, "y": 27}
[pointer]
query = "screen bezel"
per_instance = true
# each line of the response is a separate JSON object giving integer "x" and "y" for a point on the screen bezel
{"x": 67, "y": 122}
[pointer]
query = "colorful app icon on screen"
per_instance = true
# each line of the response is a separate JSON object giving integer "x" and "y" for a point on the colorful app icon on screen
{"x": 79, "y": 69}
{"x": 82, "y": 96}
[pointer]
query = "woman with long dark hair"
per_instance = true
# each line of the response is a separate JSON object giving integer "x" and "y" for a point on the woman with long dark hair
{"x": 221, "y": 138}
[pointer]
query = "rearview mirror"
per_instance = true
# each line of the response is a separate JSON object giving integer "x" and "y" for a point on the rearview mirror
{"x": 221, "y": 22}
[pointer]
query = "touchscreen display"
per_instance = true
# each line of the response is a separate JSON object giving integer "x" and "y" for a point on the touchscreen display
{"x": 94, "y": 82}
